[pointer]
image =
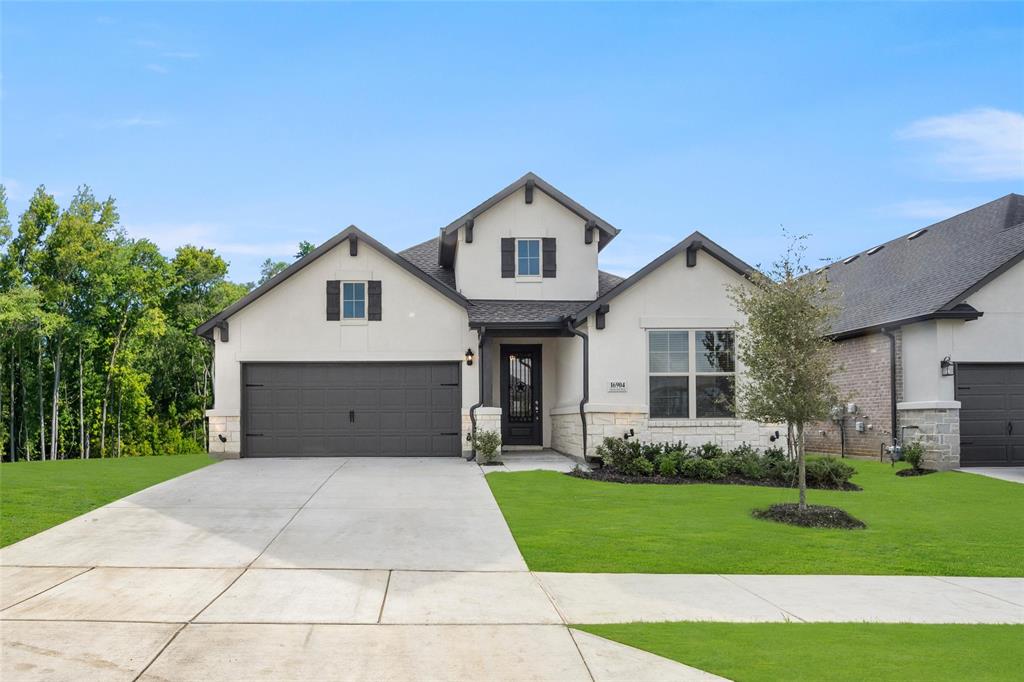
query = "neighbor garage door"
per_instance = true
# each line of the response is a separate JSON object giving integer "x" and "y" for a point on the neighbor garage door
{"x": 991, "y": 414}
{"x": 350, "y": 409}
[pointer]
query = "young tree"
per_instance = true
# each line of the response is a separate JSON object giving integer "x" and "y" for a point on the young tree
{"x": 305, "y": 247}
{"x": 269, "y": 268}
{"x": 784, "y": 350}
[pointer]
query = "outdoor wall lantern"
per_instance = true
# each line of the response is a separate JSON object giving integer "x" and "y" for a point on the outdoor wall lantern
{"x": 469, "y": 356}
{"x": 946, "y": 365}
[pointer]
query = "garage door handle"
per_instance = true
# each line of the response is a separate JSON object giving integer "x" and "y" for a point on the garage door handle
{"x": 352, "y": 416}
{"x": 254, "y": 434}
{"x": 1009, "y": 428}
{"x": 449, "y": 433}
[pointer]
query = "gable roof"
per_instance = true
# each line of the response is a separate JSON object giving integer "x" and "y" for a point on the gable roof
{"x": 449, "y": 233}
{"x": 929, "y": 275}
{"x": 695, "y": 240}
{"x": 206, "y": 328}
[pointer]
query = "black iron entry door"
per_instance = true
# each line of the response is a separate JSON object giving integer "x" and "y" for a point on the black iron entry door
{"x": 521, "y": 389}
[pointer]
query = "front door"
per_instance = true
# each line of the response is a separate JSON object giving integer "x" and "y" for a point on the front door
{"x": 521, "y": 422}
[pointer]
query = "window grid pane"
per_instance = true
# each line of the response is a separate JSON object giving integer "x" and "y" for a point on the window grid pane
{"x": 716, "y": 351}
{"x": 528, "y": 261}
{"x": 353, "y": 300}
{"x": 669, "y": 352}
{"x": 715, "y": 396}
{"x": 670, "y": 397}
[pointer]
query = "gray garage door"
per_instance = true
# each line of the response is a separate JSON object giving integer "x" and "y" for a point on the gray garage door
{"x": 351, "y": 409}
{"x": 991, "y": 414}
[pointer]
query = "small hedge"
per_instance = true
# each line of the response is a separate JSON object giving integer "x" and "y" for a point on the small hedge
{"x": 631, "y": 461}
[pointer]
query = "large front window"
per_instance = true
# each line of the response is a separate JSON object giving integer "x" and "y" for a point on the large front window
{"x": 528, "y": 258}
{"x": 353, "y": 300}
{"x": 684, "y": 363}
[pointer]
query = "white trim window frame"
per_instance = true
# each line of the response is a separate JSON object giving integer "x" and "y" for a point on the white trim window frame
{"x": 353, "y": 301}
{"x": 685, "y": 379}
{"x": 533, "y": 258}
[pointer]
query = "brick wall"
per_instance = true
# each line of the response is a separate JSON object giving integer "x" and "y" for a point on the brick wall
{"x": 863, "y": 379}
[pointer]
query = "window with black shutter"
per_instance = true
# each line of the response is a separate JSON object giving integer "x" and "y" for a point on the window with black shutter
{"x": 373, "y": 307}
{"x": 549, "y": 257}
{"x": 508, "y": 257}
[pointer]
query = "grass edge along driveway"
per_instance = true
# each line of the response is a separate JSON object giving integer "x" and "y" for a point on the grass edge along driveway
{"x": 752, "y": 652}
{"x": 947, "y": 523}
{"x": 38, "y": 495}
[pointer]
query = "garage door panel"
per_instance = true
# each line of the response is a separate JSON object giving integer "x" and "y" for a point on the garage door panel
{"x": 991, "y": 414}
{"x": 303, "y": 409}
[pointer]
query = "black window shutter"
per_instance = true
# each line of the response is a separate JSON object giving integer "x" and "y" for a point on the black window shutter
{"x": 373, "y": 310}
{"x": 508, "y": 257}
{"x": 549, "y": 257}
{"x": 333, "y": 300}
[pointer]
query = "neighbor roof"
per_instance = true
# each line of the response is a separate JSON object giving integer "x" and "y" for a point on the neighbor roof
{"x": 695, "y": 240}
{"x": 449, "y": 232}
{"x": 206, "y": 328}
{"x": 930, "y": 275}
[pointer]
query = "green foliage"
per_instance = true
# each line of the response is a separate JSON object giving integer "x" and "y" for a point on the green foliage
{"x": 269, "y": 268}
{"x": 305, "y": 248}
{"x": 618, "y": 453}
{"x": 785, "y": 349}
{"x": 701, "y": 469}
{"x": 486, "y": 443}
{"x": 640, "y": 466}
{"x": 828, "y": 472}
{"x": 667, "y": 465}
{"x": 913, "y": 454}
{"x": 97, "y": 351}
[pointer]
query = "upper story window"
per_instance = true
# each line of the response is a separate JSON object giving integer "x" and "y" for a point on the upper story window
{"x": 528, "y": 257}
{"x": 684, "y": 363}
{"x": 353, "y": 300}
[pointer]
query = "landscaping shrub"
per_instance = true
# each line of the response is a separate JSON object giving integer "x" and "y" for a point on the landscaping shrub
{"x": 913, "y": 453}
{"x": 701, "y": 469}
{"x": 828, "y": 472}
{"x": 641, "y": 466}
{"x": 487, "y": 444}
{"x": 666, "y": 465}
{"x": 626, "y": 460}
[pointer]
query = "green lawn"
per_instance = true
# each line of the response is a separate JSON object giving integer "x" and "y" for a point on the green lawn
{"x": 943, "y": 524}
{"x": 747, "y": 652}
{"x": 35, "y": 496}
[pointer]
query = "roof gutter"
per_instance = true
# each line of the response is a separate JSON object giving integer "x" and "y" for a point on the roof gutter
{"x": 586, "y": 381}
{"x": 482, "y": 331}
{"x": 963, "y": 312}
{"x": 892, "y": 380}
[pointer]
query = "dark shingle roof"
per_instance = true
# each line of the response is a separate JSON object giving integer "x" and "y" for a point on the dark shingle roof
{"x": 522, "y": 312}
{"x": 606, "y": 281}
{"x": 917, "y": 278}
{"x": 424, "y": 256}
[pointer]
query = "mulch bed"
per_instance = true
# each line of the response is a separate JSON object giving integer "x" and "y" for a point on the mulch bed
{"x": 815, "y": 516}
{"x": 916, "y": 472}
{"x": 611, "y": 477}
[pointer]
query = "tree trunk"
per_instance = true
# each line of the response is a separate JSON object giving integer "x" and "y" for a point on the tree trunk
{"x": 119, "y": 396}
{"x": 801, "y": 466}
{"x": 39, "y": 392}
{"x": 13, "y": 433}
{"x": 106, "y": 390}
{"x": 81, "y": 408}
{"x": 55, "y": 411}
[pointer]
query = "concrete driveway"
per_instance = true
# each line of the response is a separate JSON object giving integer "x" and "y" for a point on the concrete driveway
{"x": 296, "y": 569}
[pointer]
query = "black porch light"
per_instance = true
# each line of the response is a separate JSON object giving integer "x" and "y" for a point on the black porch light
{"x": 946, "y": 365}
{"x": 469, "y": 356}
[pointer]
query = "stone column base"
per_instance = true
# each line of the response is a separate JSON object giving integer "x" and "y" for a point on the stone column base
{"x": 937, "y": 428}
{"x": 225, "y": 434}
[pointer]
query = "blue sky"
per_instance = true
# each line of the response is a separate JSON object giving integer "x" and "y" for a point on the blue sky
{"x": 249, "y": 127}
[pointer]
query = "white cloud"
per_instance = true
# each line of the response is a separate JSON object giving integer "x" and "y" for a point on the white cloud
{"x": 157, "y": 68}
{"x": 978, "y": 144}
{"x": 929, "y": 209}
{"x": 169, "y": 236}
{"x": 133, "y": 122}
{"x": 181, "y": 54}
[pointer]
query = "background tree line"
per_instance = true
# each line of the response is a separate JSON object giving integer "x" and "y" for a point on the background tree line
{"x": 97, "y": 352}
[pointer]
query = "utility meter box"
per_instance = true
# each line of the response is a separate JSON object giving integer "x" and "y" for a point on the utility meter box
{"x": 859, "y": 426}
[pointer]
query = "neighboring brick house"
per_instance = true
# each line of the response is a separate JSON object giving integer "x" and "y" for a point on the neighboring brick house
{"x": 947, "y": 302}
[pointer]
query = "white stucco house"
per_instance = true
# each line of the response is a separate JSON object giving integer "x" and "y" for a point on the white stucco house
{"x": 502, "y": 321}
